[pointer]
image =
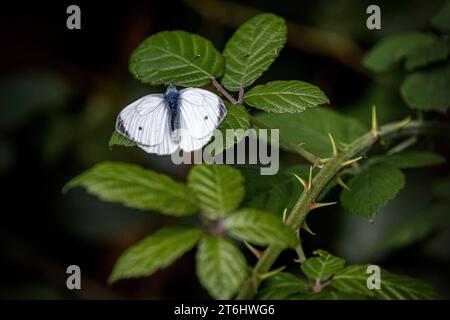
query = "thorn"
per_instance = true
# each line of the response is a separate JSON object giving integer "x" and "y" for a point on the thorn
{"x": 324, "y": 160}
{"x": 310, "y": 177}
{"x": 307, "y": 229}
{"x": 374, "y": 122}
{"x": 342, "y": 184}
{"x": 284, "y": 215}
{"x": 253, "y": 250}
{"x": 402, "y": 123}
{"x": 316, "y": 205}
{"x": 333, "y": 145}
{"x": 269, "y": 274}
{"x": 303, "y": 182}
{"x": 348, "y": 162}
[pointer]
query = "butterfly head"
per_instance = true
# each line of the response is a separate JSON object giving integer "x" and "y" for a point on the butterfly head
{"x": 171, "y": 88}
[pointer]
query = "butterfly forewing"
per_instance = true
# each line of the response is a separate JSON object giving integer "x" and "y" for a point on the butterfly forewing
{"x": 143, "y": 121}
{"x": 201, "y": 112}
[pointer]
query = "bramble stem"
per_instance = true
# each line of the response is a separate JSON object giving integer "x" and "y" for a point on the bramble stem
{"x": 303, "y": 205}
{"x": 224, "y": 92}
{"x": 241, "y": 95}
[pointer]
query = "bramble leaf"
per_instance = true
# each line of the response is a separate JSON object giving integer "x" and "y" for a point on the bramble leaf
{"x": 219, "y": 188}
{"x": 373, "y": 187}
{"x": 428, "y": 89}
{"x": 285, "y": 96}
{"x": 273, "y": 193}
{"x": 283, "y": 286}
{"x": 221, "y": 267}
{"x": 252, "y": 49}
{"x": 322, "y": 267}
{"x": 236, "y": 118}
{"x": 177, "y": 57}
{"x": 353, "y": 279}
{"x": 260, "y": 228}
{"x": 438, "y": 50}
{"x": 392, "y": 49}
{"x": 312, "y": 128}
{"x": 155, "y": 252}
{"x": 136, "y": 187}
{"x": 119, "y": 140}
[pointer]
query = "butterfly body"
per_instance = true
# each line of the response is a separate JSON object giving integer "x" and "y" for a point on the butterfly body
{"x": 161, "y": 123}
{"x": 172, "y": 103}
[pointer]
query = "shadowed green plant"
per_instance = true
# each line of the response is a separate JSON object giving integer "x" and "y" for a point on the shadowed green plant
{"x": 238, "y": 206}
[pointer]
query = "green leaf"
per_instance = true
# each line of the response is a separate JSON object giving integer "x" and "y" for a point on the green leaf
{"x": 276, "y": 192}
{"x": 312, "y": 127}
{"x": 252, "y": 49}
{"x": 221, "y": 267}
{"x": 236, "y": 118}
{"x": 219, "y": 188}
{"x": 428, "y": 89}
{"x": 413, "y": 159}
{"x": 260, "y": 228}
{"x": 119, "y": 140}
{"x": 373, "y": 187}
{"x": 155, "y": 252}
{"x": 392, "y": 49}
{"x": 137, "y": 188}
{"x": 353, "y": 279}
{"x": 438, "y": 50}
{"x": 283, "y": 286}
{"x": 176, "y": 57}
{"x": 441, "y": 20}
{"x": 322, "y": 267}
{"x": 285, "y": 96}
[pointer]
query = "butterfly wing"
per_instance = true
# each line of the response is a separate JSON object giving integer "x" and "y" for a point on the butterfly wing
{"x": 189, "y": 144}
{"x": 201, "y": 111}
{"x": 166, "y": 146}
{"x": 144, "y": 121}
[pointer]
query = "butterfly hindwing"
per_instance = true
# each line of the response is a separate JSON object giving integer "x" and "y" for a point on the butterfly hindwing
{"x": 167, "y": 145}
{"x": 143, "y": 120}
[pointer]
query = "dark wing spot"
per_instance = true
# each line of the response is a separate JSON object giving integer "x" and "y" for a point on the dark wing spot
{"x": 140, "y": 128}
{"x": 121, "y": 127}
{"x": 222, "y": 111}
{"x": 206, "y": 117}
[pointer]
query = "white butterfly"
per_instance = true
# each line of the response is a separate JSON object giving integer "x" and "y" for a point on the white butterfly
{"x": 160, "y": 123}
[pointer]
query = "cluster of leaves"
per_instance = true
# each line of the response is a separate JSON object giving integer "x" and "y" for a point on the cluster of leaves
{"x": 186, "y": 59}
{"x": 328, "y": 278}
{"x": 425, "y": 58}
{"x": 380, "y": 179}
{"x": 215, "y": 191}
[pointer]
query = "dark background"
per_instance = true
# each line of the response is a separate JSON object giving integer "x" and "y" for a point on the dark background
{"x": 61, "y": 89}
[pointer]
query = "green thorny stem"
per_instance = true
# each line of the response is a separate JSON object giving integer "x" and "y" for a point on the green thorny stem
{"x": 327, "y": 172}
{"x": 329, "y": 168}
